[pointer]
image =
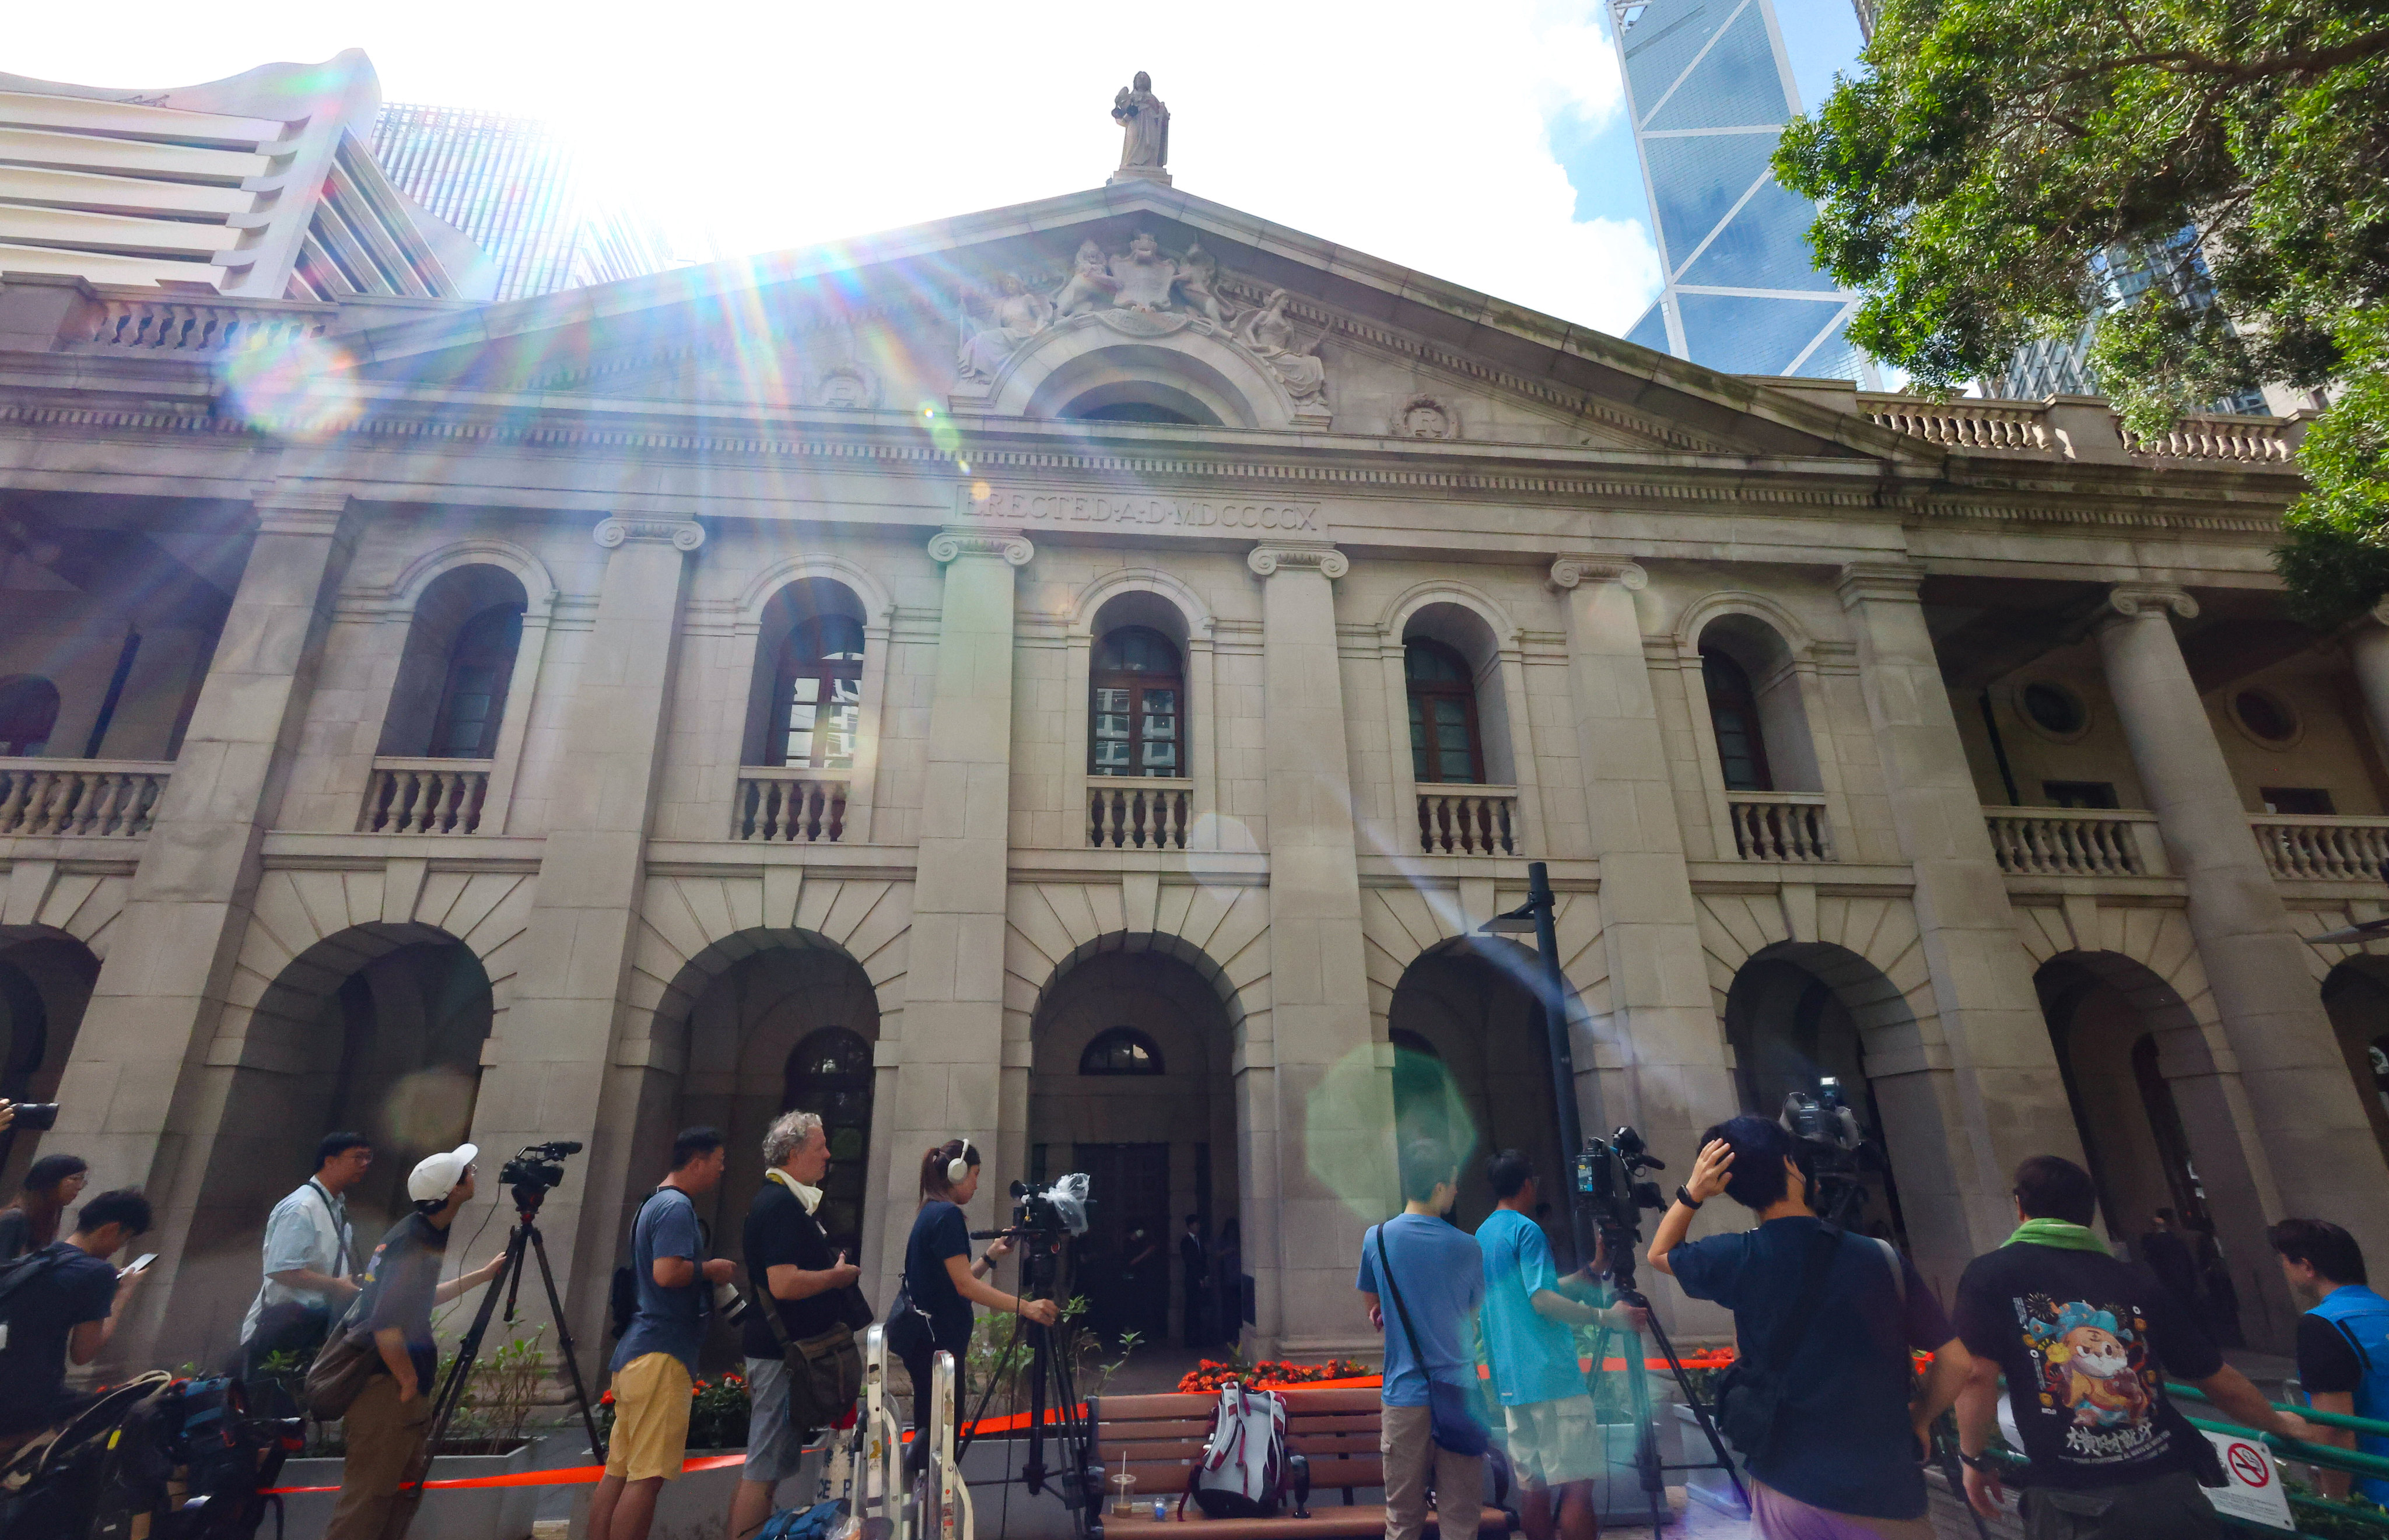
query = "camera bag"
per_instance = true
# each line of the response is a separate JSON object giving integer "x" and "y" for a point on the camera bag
{"x": 343, "y": 1366}
{"x": 825, "y": 1372}
{"x": 1750, "y": 1396}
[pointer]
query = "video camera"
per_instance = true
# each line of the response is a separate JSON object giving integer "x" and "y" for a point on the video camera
{"x": 1840, "y": 1155}
{"x": 1060, "y": 1209}
{"x": 1609, "y": 1176}
{"x": 538, "y": 1169}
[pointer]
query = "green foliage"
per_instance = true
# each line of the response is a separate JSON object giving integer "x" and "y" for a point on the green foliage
{"x": 1000, "y": 1357}
{"x": 2002, "y": 166}
{"x": 2327, "y": 1525}
{"x": 499, "y": 1394}
{"x": 2335, "y": 551}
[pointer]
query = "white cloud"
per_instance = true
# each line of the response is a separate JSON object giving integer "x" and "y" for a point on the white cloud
{"x": 1415, "y": 133}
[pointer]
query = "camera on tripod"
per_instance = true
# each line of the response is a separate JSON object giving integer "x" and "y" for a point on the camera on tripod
{"x": 1059, "y": 1210}
{"x": 1609, "y": 1172}
{"x": 539, "y": 1166}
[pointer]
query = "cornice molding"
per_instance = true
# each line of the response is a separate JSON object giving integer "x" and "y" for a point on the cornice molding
{"x": 680, "y": 533}
{"x": 290, "y": 510}
{"x": 949, "y": 546}
{"x": 2136, "y": 601}
{"x": 1269, "y": 559}
{"x": 1570, "y": 571}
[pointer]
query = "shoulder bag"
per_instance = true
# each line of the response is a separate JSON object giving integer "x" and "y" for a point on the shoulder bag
{"x": 342, "y": 1368}
{"x": 1451, "y": 1422}
{"x": 297, "y": 1326}
{"x": 825, "y": 1372}
{"x": 1750, "y": 1396}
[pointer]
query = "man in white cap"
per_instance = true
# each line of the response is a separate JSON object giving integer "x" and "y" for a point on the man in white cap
{"x": 389, "y": 1424}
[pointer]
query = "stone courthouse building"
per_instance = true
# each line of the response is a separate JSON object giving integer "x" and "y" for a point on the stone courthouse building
{"x": 1074, "y": 675}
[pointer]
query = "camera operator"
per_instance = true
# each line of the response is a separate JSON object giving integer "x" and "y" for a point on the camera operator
{"x": 1529, "y": 1313}
{"x": 52, "y": 1184}
{"x": 1832, "y": 1318}
{"x": 788, "y": 1259}
{"x": 310, "y": 1251}
{"x": 941, "y": 1282}
{"x": 655, "y": 1364}
{"x": 2086, "y": 1343}
{"x": 63, "y": 1301}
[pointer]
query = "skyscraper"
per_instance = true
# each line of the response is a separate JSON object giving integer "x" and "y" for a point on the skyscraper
{"x": 1709, "y": 87}
{"x": 517, "y": 190}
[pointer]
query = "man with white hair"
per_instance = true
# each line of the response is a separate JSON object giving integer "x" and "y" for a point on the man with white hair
{"x": 788, "y": 1257}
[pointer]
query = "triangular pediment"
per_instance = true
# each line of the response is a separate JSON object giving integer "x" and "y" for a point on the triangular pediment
{"x": 1298, "y": 334}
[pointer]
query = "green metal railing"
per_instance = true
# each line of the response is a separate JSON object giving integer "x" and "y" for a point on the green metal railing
{"x": 2323, "y": 1457}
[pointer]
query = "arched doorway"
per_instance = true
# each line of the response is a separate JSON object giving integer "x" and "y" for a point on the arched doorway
{"x": 1472, "y": 1069}
{"x": 45, "y": 980}
{"x": 377, "y": 1029}
{"x": 1129, "y": 1083}
{"x": 1796, "y": 1018}
{"x": 2356, "y": 994}
{"x": 2159, "y": 1132}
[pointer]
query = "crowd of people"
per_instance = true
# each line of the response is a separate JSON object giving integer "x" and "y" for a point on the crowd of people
{"x": 1829, "y": 1327}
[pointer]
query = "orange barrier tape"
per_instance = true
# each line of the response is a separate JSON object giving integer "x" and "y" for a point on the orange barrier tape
{"x": 574, "y": 1475}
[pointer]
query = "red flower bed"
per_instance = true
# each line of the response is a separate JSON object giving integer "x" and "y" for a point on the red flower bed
{"x": 1269, "y": 1374}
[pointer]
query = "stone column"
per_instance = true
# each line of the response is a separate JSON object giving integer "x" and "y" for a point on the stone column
{"x": 2368, "y": 648}
{"x": 1975, "y": 1088}
{"x": 560, "y": 1066}
{"x": 2292, "y": 1110}
{"x": 139, "y": 1098}
{"x": 1660, "y": 1062}
{"x": 1316, "y": 1098}
{"x": 950, "y": 1052}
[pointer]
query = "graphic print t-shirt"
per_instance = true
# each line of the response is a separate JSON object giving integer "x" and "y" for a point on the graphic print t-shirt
{"x": 2086, "y": 1343}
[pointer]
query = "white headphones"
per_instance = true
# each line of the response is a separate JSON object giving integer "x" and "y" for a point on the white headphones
{"x": 959, "y": 1167}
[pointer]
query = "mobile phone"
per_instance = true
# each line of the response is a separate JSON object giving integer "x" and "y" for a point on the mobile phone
{"x": 140, "y": 1262}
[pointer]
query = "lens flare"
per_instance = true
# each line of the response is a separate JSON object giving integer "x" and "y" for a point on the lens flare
{"x": 432, "y": 1109}
{"x": 1345, "y": 1117}
{"x": 298, "y": 388}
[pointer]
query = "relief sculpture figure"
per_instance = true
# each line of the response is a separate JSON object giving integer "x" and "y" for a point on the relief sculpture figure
{"x": 1145, "y": 276}
{"x": 1198, "y": 278}
{"x": 1091, "y": 286}
{"x": 1019, "y": 315}
{"x": 1270, "y": 336}
{"x": 1144, "y": 127}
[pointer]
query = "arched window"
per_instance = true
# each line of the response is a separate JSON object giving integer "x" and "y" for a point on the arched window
{"x": 1733, "y": 713}
{"x": 829, "y": 1074}
{"x": 1444, "y": 742}
{"x": 818, "y": 702}
{"x": 1121, "y": 1051}
{"x": 29, "y": 709}
{"x": 473, "y": 697}
{"x": 1137, "y": 724}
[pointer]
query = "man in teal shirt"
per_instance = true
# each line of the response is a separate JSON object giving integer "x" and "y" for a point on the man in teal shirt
{"x": 1530, "y": 1342}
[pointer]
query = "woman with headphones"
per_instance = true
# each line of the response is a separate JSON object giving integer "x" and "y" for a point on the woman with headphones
{"x": 940, "y": 1279}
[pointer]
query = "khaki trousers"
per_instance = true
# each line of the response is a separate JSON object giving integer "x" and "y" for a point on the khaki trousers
{"x": 1409, "y": 1455}
{"x": 387, "y": 1447}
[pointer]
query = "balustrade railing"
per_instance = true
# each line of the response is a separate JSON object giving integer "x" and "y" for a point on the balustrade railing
{"x": 2332, "y": 849}
{"x": 1780, "y": 826}
{"x": 202, "y": 326}
{"x": 2075, "y": 842}
{"x": 425, "y": 797}
{"x": 1468, "y": 821}
{"x": 1973, "y": 422}
{"x": 789, "y": 806}
{"x": 2262, "y": 441}
{"x": 101, "y": 798}
{"x": 1138, "y": 813}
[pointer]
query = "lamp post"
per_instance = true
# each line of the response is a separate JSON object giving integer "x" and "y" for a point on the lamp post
{"x": 1538, "y": 915}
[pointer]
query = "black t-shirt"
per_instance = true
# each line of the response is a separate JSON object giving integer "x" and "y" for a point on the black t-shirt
{"x": 400, "y": 1281}
{"x": 73, "y": 1286}
{"x": 2326, "y": 1360}
{"x": 938, "y": 1231}
{"x": 780, "y": 1233}
{"x": 2086, "y": 1343}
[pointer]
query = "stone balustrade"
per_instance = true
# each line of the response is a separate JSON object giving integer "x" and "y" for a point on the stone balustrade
{"x": 1468, "y": 821}
{"x": 789, "y": 805}
{"x": 97, "y": 798}
{"x": 1780, "y": 826}
{"x": 1970, "y": 421}
{"x": 425, "y": 797}
{"x": 1129, "y": 813}
{"x": 2329, "y": 849}
{"x": 2075, "y": 842}
{"x": 2263, "y": 440}
{"x": 2081, "y": 427}
{"x": 208, "y": 327}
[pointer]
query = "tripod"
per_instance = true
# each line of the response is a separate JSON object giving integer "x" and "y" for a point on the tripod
{"x": 525, "y": 1237}
{"x": 1050, "y": 1374}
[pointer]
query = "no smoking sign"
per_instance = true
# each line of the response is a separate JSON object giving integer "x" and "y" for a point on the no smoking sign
{"x": 2255, "y": 1494}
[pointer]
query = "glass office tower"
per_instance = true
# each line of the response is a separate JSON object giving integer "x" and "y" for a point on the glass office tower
{"x": 1709, "y": 88}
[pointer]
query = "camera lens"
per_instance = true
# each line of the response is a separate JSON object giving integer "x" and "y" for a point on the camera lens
{"x": 36, "y": 1114}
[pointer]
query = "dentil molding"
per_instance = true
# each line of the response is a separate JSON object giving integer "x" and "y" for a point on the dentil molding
{"x": 947, "y": 545}
{"x": 1268, "y": 560}
{"x": 683, "y": 534}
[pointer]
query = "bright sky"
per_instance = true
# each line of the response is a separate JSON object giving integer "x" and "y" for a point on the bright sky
{"x": 1483, "y": 143}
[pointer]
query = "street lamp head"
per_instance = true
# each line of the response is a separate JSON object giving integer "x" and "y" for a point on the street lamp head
{"x": 1515, "y": 922}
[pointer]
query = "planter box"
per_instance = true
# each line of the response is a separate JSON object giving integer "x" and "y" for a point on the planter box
{"x": 499, "y": 1513}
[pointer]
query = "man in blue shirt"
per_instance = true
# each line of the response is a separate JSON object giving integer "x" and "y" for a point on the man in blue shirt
{"x": 655, "y": 1364}
{"x": 1841, "y": 1458}
{"x": 2342, "y": 1339}
{"x": 1529, "y": 1338}
{"x": 1436, "y": 1279}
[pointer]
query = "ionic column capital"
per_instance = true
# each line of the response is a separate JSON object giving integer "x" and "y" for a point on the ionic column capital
{"x": 949, "y": 546}
{"x": 1897, "y": 580}
{"x": 681, "y": 534}
{"x": 1270, "y": 559}
{"x": 2132, "y": 601}
{"x": 1570, "y": 571}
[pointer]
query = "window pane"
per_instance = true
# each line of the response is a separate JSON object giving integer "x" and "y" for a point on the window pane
{"x": 805, "y": 688}
{"x": 1419, "y": 761}
{"x": 839, "y": 725}
{"x": 1163, "y": 701}
{"x": 1160, "y": 727}
{"x": 1456, "y": 766}
{"x": 1111, "y": 726}
{"x": 847, "y": 691}
{"x": 1161, "y": 756}
{"x": 1111, "y": 757}
{"x": 1111, "y": 700}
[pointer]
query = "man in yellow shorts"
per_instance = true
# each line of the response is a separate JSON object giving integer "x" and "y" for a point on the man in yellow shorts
{"x": 655, "y": 1364}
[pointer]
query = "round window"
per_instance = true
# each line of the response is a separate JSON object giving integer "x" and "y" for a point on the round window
{"x": 2267, "y": 717}
{"x": 2054, "y": 708}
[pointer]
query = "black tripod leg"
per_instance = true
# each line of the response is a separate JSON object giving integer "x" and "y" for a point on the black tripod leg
{"x": 451, "y": 1391}
{"x": 1647, "y": 1434}
{"x": 1700, "y": 1412}
{"x": 564, "y": 1345}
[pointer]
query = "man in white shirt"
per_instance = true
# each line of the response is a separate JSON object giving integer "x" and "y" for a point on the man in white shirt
{"x": 310, "y": 1257}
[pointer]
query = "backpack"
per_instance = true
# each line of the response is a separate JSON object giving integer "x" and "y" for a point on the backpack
{"x": 18, "y": 1272}
{"x": 1244, "y": 1471}
{"x": 622, "y": 1300}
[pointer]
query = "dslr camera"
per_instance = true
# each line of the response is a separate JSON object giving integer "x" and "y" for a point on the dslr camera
{"x": 40, "y": 1116}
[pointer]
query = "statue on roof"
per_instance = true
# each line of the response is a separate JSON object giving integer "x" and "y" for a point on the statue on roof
{"x": 1144, "y": 133}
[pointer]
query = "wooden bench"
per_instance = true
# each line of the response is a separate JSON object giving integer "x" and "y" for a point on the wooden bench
{"x": 1158, "y": 1438}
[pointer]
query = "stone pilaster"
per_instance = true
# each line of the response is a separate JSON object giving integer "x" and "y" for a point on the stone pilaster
{"x": 1320, "y": 1084}
{"x": 1977, "y": 1087}
{"x": 2368, "y": 648}
{"x": 139, "y": 1098}
{"x": 552, "y": 1072}
{"x": 1659, "y": 1060}
{"x": 949, "y": 1055}
{"x": 2282, "y": 1090}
